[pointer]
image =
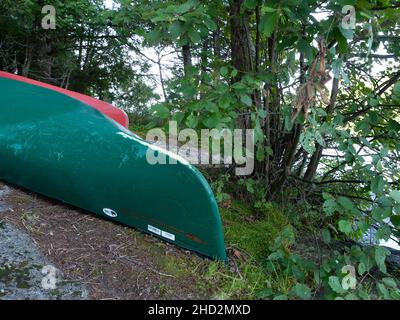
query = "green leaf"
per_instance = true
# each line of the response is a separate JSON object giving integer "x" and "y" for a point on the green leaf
{"x": 246, "y": 100}
{"x": 380, "y": 257}
{"x": 281, "y": 297}
{"x": 224, "y": 71}
{"x": 250, "y": 4}
{"x": 345, "y": 226}
{"x": 362, "y": 268}
{"x": 330, "y": 206}
{"x": 258, "y": 133}
{"x": 377, "y": 185}
{"x": 335, "y": 285}
{"x": 378, "y": 213}
{"x": 160, "y": 17}
{"x": 185, "y": 7}
{"x": 268, "y": 23}
{"x": 161, "y": 111}
{"x": 390, "y": 282}
{"x": 395, "y": 194}
{"x": 302, "y": 291}
{"x": 326, "y": 236}
{"x": 396, "y": 89}
{"x": 307, "y": 141}
{"x": 351, "y": 297}
{"x": 211, "y": 24}
{"x": 346, "y": 203}
{"x": 266, "y": 9}
{"x": 364, "y": 295}
{"x": 192, "y": 121}
{"x": 153, "y": 37}
{"x": 337, "y": 68}
{"x": 373, "y": 102}
{"x": 176, "y": 29}
{"x": 342, "y": 46}
{"x": 225, "y": 101}
{"x": 384, "y": 233}
{"x": 265, "y": 293}
{"x": 250, "y": 186}
{"x": 212, "y": 121}
{"x": 383, "y": 290}
{"x": 234, "y": 73}
{"x": 194, "y": 36}
{"x": 319, "y": 139}
{"x": 188, "y": 90}
{"x": 260, "y": 154}
{"x": 305, "y": 48}
{"x": 179, "y": 116}
{"x": 393, "y": 126}
{"x": 211, "y": 106}
{"x": 347, "y": 33}
{"x": 262, "y": 113}
{"x": 288, "y": 123}
{"x": 395, "y": 219}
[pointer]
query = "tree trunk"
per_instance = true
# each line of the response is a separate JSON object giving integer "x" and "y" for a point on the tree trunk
{"x": 284, "y": 153}
{"x": 316, "y": 157}
{"x": 242, "y": 50}
{"x": 28, "y": 60}
{"x": 242, "y": 47}
{"x": 187, "y": 57}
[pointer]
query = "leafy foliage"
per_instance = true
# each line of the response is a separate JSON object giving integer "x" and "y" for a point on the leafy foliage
{"x": 342, "y": 151}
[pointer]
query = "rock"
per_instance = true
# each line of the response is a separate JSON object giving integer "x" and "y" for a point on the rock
{"x": 4, "y": 191}
{"x": 26, "y": 274}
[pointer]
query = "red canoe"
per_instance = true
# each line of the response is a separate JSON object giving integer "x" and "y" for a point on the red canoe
{"x": 109, "y": 110}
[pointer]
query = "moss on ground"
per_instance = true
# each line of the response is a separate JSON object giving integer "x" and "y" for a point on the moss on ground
{"x": 248, "y": 235}
{"x": 252, "y": 231}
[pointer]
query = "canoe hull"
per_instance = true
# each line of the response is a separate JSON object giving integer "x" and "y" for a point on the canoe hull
{"x": 107, "y": 109}
{"x": 75, "y": 154}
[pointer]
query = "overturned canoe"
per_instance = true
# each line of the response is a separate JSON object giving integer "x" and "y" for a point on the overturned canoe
{"x": 109, "y": 110}
{"x": 60, "y": 147}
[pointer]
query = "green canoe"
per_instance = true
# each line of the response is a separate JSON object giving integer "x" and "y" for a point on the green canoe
{"x": 62, "y": 148}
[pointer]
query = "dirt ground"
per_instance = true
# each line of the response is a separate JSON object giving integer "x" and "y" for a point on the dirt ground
{"x": 110, "y": 260}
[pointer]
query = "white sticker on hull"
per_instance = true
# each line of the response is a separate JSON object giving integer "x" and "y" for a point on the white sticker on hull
{"x": 168, "y": 235}
{"x": 110, "y": 213}
{"x": 154, "y": 230}
{"x": 161, "y": 233}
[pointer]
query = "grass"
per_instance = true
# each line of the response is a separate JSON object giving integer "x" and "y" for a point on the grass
{"x": 178, "y": 266}
{"x": 248, "y": 234}
{"x": 251, "y": 231}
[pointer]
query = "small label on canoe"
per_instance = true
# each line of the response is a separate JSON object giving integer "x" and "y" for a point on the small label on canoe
{"x": 168, "y": 235}
{"x": 110, "y": 213}
{"x": 161, "y": 233}
{"x": 154, "y": 230}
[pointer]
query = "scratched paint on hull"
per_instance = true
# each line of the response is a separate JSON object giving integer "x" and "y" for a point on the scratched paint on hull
{"x": 61, "y": 148}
